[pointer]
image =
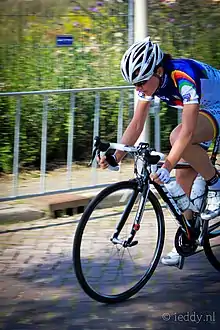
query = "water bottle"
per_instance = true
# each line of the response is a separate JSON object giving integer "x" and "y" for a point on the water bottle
{"x": 178, "y": 194}
{"x": 198, "y": 192}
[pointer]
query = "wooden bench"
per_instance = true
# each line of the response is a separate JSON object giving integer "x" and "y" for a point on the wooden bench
{"x": 67, "y": 204}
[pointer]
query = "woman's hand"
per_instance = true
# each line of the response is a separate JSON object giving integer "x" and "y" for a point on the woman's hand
{"x": 102, "y": 162}
{"x": 108, "y": 161}
{"x": 161, "y": 176}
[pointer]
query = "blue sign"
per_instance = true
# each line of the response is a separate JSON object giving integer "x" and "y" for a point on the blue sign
{"x": 64, "y": 40}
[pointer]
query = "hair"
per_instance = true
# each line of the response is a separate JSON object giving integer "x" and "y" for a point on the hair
{"x": 167, "y": 57}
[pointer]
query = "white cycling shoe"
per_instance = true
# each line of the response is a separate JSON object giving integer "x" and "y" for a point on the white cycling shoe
{"x": 213, "y": 205}
{"x": 173, "y": 259}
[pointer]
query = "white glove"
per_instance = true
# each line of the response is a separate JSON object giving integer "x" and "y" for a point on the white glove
{"x": 163, "y": 175}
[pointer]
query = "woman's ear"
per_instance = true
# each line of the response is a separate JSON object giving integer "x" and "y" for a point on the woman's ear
{"x": 160, "y": 71}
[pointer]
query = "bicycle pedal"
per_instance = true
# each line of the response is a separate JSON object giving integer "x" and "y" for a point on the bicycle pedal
{"x": 133, "y": 243}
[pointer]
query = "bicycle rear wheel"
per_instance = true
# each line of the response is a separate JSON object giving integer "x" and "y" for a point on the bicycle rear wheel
{"x": 212, "y": 243}
{"x": 109, "y": 272}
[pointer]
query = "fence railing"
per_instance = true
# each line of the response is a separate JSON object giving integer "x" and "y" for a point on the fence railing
{"x": 15, "y": 194}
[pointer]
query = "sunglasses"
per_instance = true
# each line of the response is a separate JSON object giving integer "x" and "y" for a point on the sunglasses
{"x": 141, "y": 83}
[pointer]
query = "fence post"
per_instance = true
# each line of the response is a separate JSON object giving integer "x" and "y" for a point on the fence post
{"x": 16, "y": 145}
{"x": 70, "y": 139}
{"x": 96, "y": 115}
{"x": 141, "y": 32}
{"x": 95, "y": 133}
{"x": 130, "y": 22}
{"x": 157, "y": 123}
{"x": 120, "y": 117}
{"x": 43, "y": 144}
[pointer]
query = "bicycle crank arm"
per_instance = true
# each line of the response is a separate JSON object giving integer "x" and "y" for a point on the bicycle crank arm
{"x": 125, "y": 243}
{"x": 131, "y": 244}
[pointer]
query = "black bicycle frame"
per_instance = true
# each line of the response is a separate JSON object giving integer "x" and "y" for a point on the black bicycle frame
{"x": 138, "y": 217}
{"x": 168, "y": 199}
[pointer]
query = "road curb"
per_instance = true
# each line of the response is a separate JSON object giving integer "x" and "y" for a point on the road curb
{"x": 118, "y": 199}
{"x": 19, "y": 213}
{"x": 12, "y": 213}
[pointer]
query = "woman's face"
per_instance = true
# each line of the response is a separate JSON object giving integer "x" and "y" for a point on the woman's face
{"x": 148, "y": 87}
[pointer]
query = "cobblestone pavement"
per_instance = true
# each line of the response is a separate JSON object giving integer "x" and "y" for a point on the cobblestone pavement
{"x": 39, "y": 289}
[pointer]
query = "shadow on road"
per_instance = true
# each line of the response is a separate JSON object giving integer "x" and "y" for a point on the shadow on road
{"x": 47, "y": 296}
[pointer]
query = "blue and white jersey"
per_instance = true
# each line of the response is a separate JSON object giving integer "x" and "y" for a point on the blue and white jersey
{"x": 188, "y": 81}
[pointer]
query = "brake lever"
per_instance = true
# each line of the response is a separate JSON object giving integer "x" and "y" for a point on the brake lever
{"x": 96, "y": 144}
{"x": 99, "y": 146}
{"x": 93, "y": 157}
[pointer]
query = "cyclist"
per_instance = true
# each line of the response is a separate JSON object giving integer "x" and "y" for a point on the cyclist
{"x": 182, "y": 83}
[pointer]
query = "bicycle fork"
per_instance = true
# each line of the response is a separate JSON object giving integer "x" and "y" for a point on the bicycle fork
{"x": 137, "y": 220}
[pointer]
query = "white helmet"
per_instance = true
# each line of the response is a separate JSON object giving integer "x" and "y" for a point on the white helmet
{"x": 139, "y": 61}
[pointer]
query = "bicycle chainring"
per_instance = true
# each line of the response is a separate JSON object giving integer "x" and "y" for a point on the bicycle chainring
{"x": 183, "y": 245}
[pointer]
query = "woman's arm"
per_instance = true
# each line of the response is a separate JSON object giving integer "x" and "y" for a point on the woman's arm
{"x": 134, "y": 129}
{"x": 132, "y": 132}
{"x": 189, "y": 120}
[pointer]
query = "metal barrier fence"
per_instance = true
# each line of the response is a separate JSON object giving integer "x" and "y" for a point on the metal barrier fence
{"x": 44, "y": 134}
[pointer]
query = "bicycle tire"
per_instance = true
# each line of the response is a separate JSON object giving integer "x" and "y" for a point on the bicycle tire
{"x": 209, "y": 252}
{"x": 115, "y": 298}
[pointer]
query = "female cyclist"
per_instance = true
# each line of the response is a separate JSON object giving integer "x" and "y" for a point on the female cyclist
{"x": 182, "y": 83}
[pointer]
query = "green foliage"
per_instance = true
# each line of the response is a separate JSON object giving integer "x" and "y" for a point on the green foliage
{"x": 186, "y": 28}
{"x": 6, "y": 134}
{"x": 30, "y": 60}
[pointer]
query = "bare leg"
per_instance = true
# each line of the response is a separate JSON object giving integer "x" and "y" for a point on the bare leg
{"x": 185, "y": 178}
{"x": 195, "y": 155}
{"x": 199, "y": 160}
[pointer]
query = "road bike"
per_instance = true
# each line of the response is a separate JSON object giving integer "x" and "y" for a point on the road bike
{"x": 125, "y": 221}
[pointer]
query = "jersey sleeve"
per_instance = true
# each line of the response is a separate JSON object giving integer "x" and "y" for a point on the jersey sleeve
{"x": 187, "y": 86}
{"x": 143, "y": 97}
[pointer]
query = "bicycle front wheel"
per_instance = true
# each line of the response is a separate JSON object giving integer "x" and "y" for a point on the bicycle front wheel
{"x": 109, "y": 272}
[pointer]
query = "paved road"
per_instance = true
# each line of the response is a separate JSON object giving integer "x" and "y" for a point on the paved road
{"x": 39, "y": 289}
